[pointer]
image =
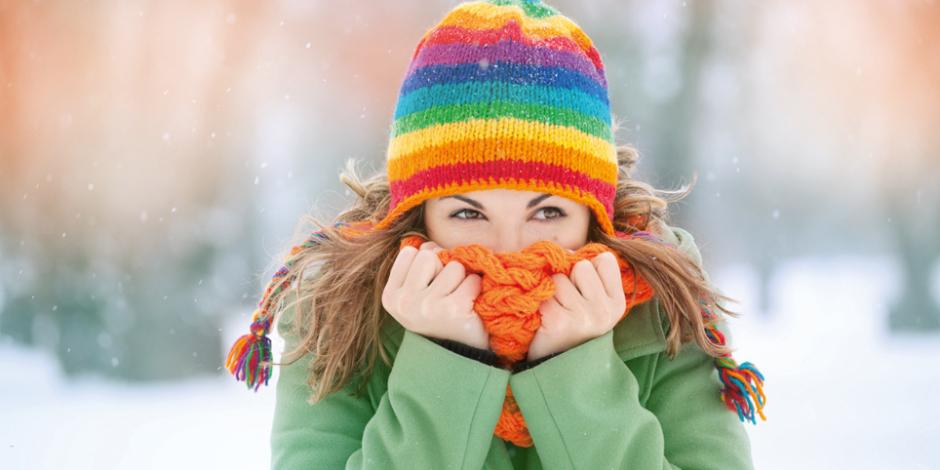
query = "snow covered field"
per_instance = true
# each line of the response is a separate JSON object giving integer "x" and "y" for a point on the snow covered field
{"x": 841, "y": 393}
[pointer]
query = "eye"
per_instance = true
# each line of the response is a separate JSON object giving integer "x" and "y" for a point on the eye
{"x": 559, "y": 213}
{"x": 467, "y": 211}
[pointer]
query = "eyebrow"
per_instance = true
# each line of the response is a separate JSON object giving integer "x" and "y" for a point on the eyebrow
{"x": 476, "y": 204}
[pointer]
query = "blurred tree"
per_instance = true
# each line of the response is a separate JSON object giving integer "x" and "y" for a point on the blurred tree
{"x": 752, "y": 189}
{"x": 677, "y": 120}
{"x": 905, "y": 125}
{"x": 918, "y": 247}
{"x": 655, "y": 72}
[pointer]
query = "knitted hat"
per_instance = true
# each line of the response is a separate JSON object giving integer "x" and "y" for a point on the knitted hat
{"x": 503, "y": 94}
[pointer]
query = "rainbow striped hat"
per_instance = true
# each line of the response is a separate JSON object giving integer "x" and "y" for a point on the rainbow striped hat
{"x": 503, "y": 94}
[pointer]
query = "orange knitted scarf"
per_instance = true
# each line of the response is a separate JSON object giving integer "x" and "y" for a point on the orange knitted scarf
{"x": 514, "y": 285}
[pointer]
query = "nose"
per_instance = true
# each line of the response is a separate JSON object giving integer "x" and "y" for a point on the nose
{"x": 508, "y": 238}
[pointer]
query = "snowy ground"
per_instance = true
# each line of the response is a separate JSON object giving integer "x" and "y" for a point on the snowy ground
{"x": 841, "y": 393}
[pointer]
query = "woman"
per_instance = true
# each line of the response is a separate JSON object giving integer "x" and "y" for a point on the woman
{"x": 501, "y": 149}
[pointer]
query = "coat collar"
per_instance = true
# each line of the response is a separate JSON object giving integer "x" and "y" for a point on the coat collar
{"x": 641, "y": 333}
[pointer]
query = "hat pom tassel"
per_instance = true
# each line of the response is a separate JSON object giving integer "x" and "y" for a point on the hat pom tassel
{"x": 250, "y": 357}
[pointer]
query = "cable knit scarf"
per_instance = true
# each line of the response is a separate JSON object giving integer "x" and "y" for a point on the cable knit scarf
{"x": 513, "y": 286}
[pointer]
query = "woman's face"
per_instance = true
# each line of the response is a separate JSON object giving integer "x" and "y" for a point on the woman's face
{"x": 506, "y": 219}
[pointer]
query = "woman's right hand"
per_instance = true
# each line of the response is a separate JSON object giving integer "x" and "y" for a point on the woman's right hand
{"x": 434, "y": 300}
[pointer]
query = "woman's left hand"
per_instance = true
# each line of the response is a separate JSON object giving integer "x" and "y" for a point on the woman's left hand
{"x": 586, "y": 306}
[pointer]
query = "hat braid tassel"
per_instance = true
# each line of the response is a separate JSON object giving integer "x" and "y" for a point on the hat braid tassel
{"x": 743, "y": 389}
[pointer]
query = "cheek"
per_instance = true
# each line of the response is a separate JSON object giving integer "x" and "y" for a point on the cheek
{"x": 449, "y": 233}
{"x": 572, "y": 233}
{"x": 563, "y": 234}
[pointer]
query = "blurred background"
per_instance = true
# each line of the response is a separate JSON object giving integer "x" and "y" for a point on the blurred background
{"x": 157, "y": 157}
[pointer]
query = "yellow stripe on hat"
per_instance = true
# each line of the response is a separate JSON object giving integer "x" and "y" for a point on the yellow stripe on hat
{"x": 443, "y": 134}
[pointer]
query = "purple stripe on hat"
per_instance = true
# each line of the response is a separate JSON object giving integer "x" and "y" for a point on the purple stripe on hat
{"x": 505, "y": 51}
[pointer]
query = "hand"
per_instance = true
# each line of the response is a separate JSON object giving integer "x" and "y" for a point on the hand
{"x": 581, "y": 310}
{"x": 434, "y": 300}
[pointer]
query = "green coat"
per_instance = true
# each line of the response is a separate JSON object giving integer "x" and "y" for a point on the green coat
{"x": 614, "y": 402}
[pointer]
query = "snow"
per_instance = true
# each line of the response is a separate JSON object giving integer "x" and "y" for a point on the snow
{"x": 96, "y": 423}
{"x": 841, "y": 392}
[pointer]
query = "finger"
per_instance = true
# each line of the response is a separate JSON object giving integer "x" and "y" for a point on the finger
{"x": 426, "y": 265}
{"x": 553, "y": 313}
{"x": 566, "y": 293}
{"x": 448, "y": 279}
{"x": 609, "y": 271}
{"x": 432, "y": 247}
{"x": 429, "y": 245}
{"x": 403, "y": 260}
{"x": 550, "y": 306}
{"x": 469, "y": 287}
{"x": 588, "y": 282}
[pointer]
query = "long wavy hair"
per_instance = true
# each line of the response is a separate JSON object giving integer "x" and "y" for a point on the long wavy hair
{"x": 337, "y": 292}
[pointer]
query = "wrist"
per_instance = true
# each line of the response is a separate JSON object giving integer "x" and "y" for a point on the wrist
{"x": 474, "y": 335}
{"x": 483, "y": 355}
{"x": 535, "y": 355}
{"x": 478, "y": 343}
